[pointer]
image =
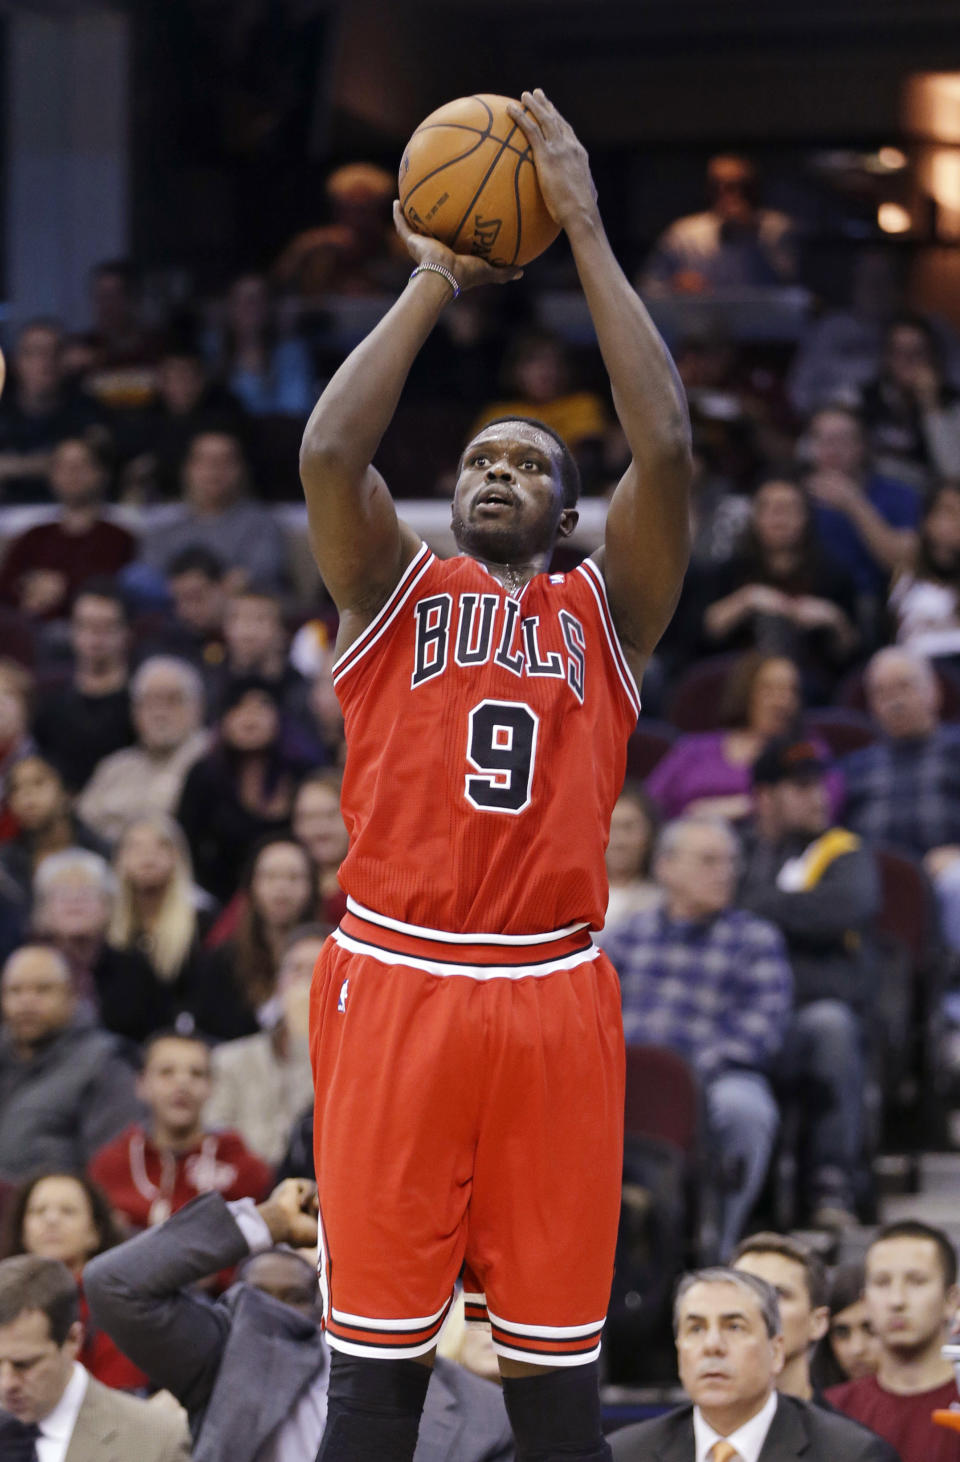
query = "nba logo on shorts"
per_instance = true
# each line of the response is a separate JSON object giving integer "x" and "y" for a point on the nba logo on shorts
{"x": 342, "y": 1002}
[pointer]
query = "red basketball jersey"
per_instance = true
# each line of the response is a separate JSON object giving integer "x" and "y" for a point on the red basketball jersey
{"x": 486, "y": 746}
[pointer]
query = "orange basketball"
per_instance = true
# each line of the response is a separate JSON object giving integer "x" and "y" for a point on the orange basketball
{"x": 467, "y": 178}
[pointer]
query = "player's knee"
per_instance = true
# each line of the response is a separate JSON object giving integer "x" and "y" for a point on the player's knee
{"x": 373, "y": 1409}
{"x": 556, "y": 1415}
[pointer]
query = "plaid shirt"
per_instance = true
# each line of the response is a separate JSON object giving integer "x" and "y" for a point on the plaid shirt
{"x": 906, "y": 792}
{"x": 718, "y": 991}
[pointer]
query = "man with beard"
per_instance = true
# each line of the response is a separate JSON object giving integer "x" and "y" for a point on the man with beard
{"x": 911, "y": 1294}
{"x": 466, "y": 1033}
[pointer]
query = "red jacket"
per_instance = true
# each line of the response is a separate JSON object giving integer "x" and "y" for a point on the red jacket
{"x": 146, "y": 1185}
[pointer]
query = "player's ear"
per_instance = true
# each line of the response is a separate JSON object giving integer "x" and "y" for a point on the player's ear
{"x": 569, "y": 519}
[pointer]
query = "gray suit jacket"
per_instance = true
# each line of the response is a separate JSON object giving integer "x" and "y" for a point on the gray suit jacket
{"x": 798, "y": 1430}
{"x": 240, "y": 1365}
{"x": 112, "y": 1427}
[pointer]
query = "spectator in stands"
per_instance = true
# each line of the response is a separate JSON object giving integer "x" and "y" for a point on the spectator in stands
{"x": 849, "y": 1350}
{"x": 840, "y": 352}
{"x": 262, "y": 1083}
{"x": 735, "y": 245}
{"x": 47, "y": 821}
{"x": 797, "y": 1275}
{"x": 38, "y": 410}
{"x": 218, "y": 515}
{"x": 43, "y": 568}
{"x": 710, "y": 772}
{"x": 63, "y": 1216}
{"x": 154, "y": 441}
{"x": 819, "y": 885}
{"x": 76, "y": 725}
{"x": 912, "y": 413}
{"x": 195, "y": 581}
{"x": 73, "y": 893}
{"x": 255, "y": 643}
{"x": 65, "y": 1087}
{"x": 326, "y": 714}
{"x": 848, "y": 495}
{"x": 279, "y": 888}
{"x": 156, "y": 1166}
{"x": 16, "y": 742}
{"x": 123, "y": 354}
{"x": 264, "y": 365}
{"x": 730, "y": 1353}
{"x": 144, "y": 1295}
{"x": 240, "y": 791}
{"x": 51, "y": 1407}
{"x": 318, "y": 824}
{"x": 905, "y": 787}
{"x": 634, "y": 825}
{"x": 167, "y": 701}
{"x": 537, "y": 375}
{"x": 911, "y": 1295}
{"x": 925, "y": 597}
{"x": 158, "y": 916}
{"x": 356, "y": 252}
{"x": 781, "y": 593}
{"x": 712, "y": 983}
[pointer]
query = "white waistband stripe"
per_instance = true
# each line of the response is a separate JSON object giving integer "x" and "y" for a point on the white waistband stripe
{"x": 444, "y": 936}
{"x": 470, "y": 972}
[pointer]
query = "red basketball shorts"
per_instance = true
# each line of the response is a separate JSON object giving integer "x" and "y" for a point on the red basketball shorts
{"x": 469, "y": 1117}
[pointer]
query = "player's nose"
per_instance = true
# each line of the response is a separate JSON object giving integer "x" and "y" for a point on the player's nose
{"x": 501, "y": 469}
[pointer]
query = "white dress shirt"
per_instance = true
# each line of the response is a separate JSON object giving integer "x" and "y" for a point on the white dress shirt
{"x": 301, "y": 1434}
{"x": 56, "y": 1429}
{"x": 748, "y": 1439}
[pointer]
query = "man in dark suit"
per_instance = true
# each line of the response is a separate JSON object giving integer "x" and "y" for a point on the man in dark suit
{"x": 252, "y": 1370}
{"x": 730, "y": 1352}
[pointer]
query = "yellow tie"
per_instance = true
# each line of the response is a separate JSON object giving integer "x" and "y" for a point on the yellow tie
{"x": 723, "y": 1452}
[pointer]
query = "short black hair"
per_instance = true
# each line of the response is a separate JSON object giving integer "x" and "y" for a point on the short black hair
{"x": 101, "y": 586}
{"x": 170, "y": 1033}
{"x": 197, "y": 560}
{"x": 29, "y": 1283}
{"x": 569, "y": 471}
{"x": 915, "y": 1228}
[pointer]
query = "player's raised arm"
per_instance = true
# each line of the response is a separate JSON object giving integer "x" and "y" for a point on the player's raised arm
{"x": 360, "y": 545}
{"x": 647, "y": 538}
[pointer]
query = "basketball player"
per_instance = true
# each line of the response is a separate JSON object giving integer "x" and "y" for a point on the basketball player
{"x": 465, "y": 1031}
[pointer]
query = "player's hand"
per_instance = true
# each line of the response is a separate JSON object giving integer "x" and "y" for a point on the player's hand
{"x": 563, "y": 168}
{"x": 290, "y": 1213}
{"x": 467, "y": 269}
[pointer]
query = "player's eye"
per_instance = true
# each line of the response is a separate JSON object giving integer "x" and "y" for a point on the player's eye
{"x": 479, "y": 460}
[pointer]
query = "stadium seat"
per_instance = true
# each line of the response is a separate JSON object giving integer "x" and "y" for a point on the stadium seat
{"x": 694, "y": 701}
{"x": 842, "y": 730}
{"x": 649, "y": 743}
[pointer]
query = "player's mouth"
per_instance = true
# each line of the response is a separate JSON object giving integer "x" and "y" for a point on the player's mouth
{"x": 495, "y": 497}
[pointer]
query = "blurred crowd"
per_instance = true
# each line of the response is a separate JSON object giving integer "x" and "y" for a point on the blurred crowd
{"x": 784, "y": 860}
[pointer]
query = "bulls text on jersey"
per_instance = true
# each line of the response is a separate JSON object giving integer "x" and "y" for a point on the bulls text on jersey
{"x": 478, "y": 628}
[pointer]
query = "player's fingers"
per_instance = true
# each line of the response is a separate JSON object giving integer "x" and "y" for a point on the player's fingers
{"x": 526, "y": 121}
{"x": 534, "y": 107}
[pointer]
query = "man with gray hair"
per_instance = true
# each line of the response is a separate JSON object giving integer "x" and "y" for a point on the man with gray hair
{"x": 905, "y": 788}
{"x": 167, "y": 697}
{"x": 713, "y": 983}
{"x": 65, "y": 1088}
{"x": 729, "y": 1353}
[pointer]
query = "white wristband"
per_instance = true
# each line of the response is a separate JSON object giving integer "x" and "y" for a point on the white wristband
{"x": 438, "y": 269}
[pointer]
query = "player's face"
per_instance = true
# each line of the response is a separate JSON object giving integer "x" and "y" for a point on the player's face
{"x": 58, "y": 1222}
{"x": 802, "y": 1325}
{"x": 907, "y": 1300}
{"x": 854, "y": 1341}
{"x": 508, "y": 500}
{"x": 34, "y": 1370}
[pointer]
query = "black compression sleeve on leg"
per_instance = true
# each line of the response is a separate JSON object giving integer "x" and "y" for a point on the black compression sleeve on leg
{"x": 556, "y": 1416}
{"x": 373, "y": 1409}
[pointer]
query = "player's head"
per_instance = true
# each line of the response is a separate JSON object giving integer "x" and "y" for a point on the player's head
{"x": 516, "y": 492}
